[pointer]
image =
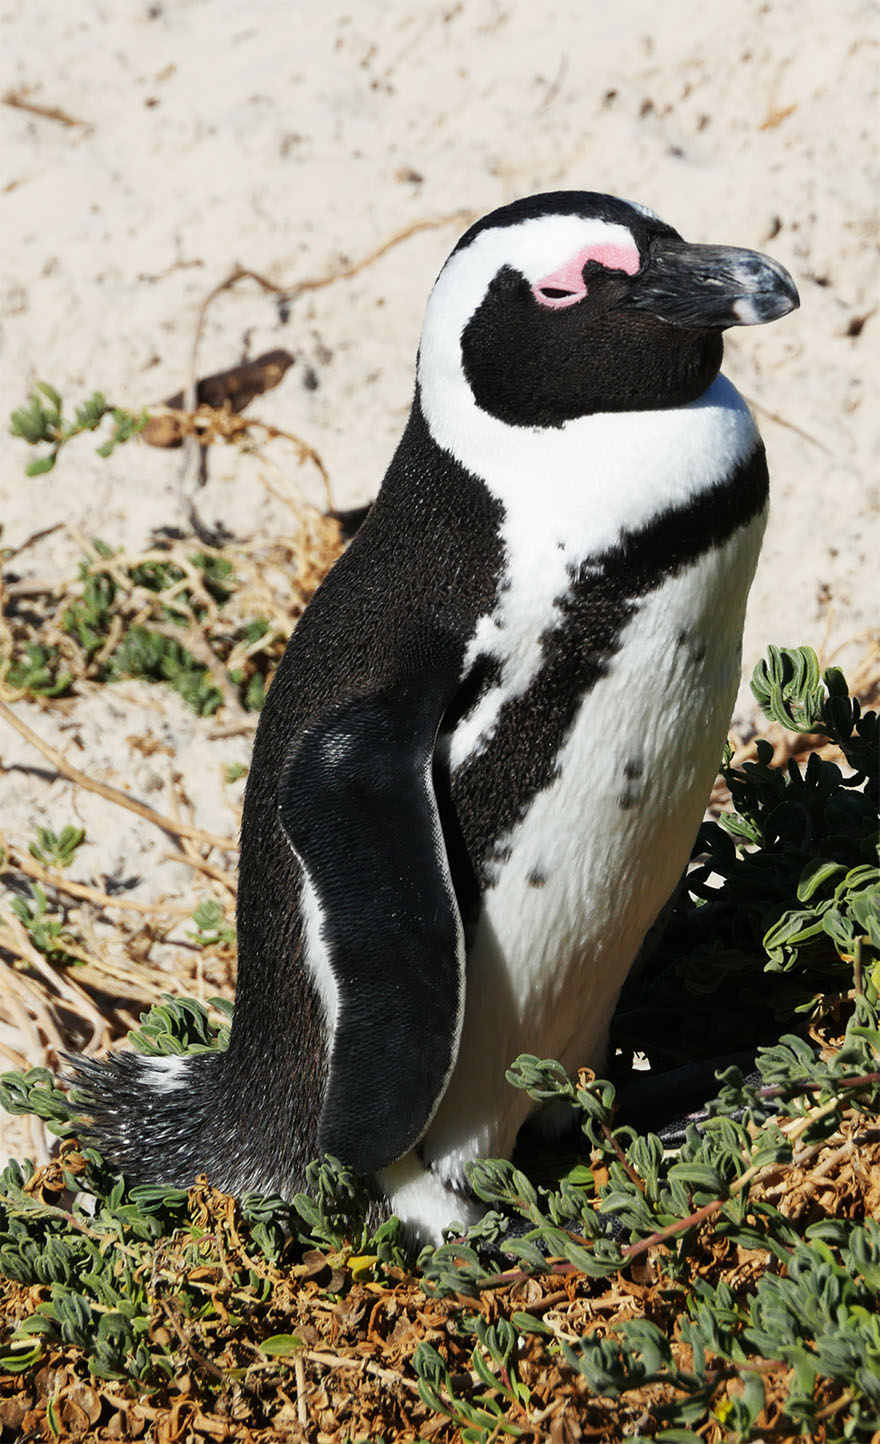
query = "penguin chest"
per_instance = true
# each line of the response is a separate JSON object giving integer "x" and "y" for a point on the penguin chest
{"x": 591, "y": 848}
{"x": 572, "y": 887}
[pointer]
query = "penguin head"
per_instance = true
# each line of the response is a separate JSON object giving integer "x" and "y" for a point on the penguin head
{"x": 571, "y": 303}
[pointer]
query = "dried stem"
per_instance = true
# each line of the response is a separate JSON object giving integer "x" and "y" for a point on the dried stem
{"x": 113, "y": 794}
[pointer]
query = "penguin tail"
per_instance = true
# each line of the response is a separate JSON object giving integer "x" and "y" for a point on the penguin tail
{"x": 159, "y": 1120}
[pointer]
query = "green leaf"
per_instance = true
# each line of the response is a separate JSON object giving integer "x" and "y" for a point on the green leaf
{"x": 52, "y": 1417}
{"x": 56, "y": 849}
{"x": 40, "y": 466}
{"x": 788, "y": 688}
{"x": 89, "y": 415}
{"x": 281, "y": 1346}
{"x": 814, "y": 876}
{"x": 212, "y": 925}
{"x": 839, "y": 929}
{"x": 15, "y": 1357}
{"x": 529, "y": 1324}
{"x": 866, "y": 911}
{"x": 699, "y": 1175}
{"x": 51, "y": 393}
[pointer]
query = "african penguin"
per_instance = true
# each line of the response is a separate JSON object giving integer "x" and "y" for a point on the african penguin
{"x": 486, "y": 752}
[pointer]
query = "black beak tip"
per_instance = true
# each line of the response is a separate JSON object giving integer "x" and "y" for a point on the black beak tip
{"x": 767, "y": 295}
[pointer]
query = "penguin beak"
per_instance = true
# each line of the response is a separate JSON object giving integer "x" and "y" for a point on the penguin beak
{"x": 712, "y": 287}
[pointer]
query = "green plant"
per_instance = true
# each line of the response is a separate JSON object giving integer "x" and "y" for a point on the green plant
{"x": 181, "y": 1025}
{"x": 88, "y": 618}
{"x": 157, "y": 658}
{"x": 56, "y": 849}
{"x": 39, "y": 670}
{"x": 483, "y": 1415}
{"x": 42, "y": 422}
{"x": 122, "y": 621}
{"x": 46, "y": 930}
{"x": 212, "y": 926}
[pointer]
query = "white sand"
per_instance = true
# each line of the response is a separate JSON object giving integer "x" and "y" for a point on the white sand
{"x": 292, "y": 139}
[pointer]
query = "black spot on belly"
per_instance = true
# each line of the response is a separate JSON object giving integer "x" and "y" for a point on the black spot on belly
{"x": 536, "y": 878}
{"x": 697, "y": 648}
{"x": 629, "y": 798}
{"x": 634, "y": 768}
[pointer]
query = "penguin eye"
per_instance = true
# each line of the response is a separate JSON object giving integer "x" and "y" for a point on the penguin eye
{"x": 554, "y": 294}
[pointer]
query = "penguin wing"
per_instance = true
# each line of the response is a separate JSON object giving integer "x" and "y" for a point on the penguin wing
{"x": 357, "y": 804}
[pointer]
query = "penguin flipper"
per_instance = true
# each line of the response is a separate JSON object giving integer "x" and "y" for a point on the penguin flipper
{"x": 357, "y": 804}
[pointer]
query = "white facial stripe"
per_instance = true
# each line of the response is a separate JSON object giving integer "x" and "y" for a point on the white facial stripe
{"x": 535, "y": 248}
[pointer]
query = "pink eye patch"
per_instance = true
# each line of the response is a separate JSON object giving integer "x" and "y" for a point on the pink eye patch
{"x": 566, "y": 285}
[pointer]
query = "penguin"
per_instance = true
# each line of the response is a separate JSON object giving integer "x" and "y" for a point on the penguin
{"x": 484, "y": 757}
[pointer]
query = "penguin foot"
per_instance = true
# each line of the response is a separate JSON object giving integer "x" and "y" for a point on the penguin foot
{"x": 425, "y": 1205}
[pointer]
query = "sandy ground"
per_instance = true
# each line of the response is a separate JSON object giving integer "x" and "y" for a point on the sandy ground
{"x": 147, "y": 149}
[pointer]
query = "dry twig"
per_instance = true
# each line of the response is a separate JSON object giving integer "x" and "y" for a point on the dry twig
{"x": 113, "y": 794}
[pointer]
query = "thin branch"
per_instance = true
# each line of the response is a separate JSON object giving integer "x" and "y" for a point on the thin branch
{"x": 632, "y": 1250}
{"x": 299, "y": 1375}
{"x": 18, "y": 101}
{"x": 21, "y": 862}
{"x": 631, "y": 1172}
{"x": 200, "y": 864}
{"x": 789, "y": 425}
{"x": 338, "y": 1361}
{"x": 15, "y": 939}
{"x": 291, "y": 294}
{"x": 112, "y": 794}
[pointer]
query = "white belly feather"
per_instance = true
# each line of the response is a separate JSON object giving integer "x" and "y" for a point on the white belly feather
{"x": 547, "y": 962}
